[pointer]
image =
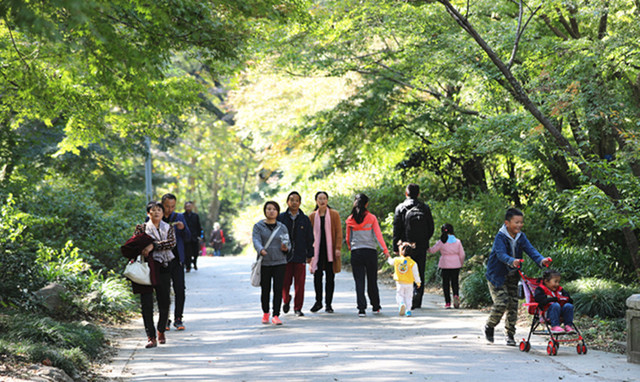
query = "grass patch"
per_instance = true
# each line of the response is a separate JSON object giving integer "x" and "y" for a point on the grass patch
{"x": 68, "y": 346}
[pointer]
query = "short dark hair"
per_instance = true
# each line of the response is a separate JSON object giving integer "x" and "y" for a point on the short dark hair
{"x": 154, "y": 203}
{"x": 294, "y": 193}
{"x": 168, "y": 196}
{"x": 550, "y": 273}
{"x": 511, "y": 212}
{"x": 413, "y": 190}
{"x": 274, "y": 203}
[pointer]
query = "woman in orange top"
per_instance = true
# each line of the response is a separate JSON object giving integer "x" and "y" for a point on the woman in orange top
{"x": 363, "y": 238}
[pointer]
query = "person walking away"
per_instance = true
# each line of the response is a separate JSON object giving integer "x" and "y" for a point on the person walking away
{"x": 177, "y": 264}
{"x": 502, "y": 273}
{"x": 327, "y": 244}
{"x": 451, "y": 260}
{"x": 154, "y": 241}
{"x": 271, "y": 240}
{"x": 363, "y": 238}
{"x": 301, "y": 235}
{"x": 405, "y": 272}
{"x": 192, "y": 247}
{"x": 555, "y": 302}
{"x": 413, "y": 223}
{"x": 217, "y": 239}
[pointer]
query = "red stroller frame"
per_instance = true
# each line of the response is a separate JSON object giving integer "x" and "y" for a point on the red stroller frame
{"x": 539, "y": 317}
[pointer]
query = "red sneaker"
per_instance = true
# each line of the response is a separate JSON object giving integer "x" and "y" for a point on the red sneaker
{"x": 568, "y": 329}
{"x": 276, "y": 320}
{"x": 265, "y": 318}
{"x": 557, "y": 330}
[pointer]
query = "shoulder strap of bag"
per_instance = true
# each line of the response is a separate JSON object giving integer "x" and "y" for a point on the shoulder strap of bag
{"x": 273, "y": 234}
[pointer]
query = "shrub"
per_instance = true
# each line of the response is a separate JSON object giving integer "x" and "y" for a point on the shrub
{"x": 600, "y": 298}
{"x": 474, "y": 289}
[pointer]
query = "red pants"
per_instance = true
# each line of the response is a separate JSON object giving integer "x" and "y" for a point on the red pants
{"x": 294, "y": 272}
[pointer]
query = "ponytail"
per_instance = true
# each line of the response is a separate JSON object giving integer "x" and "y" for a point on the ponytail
{"x": 446, "y": 229}
{"x": 359, "y": 209}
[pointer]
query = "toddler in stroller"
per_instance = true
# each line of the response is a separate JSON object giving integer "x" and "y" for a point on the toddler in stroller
{"x": 555, "y": 302}
{"x": 549, "y": 303}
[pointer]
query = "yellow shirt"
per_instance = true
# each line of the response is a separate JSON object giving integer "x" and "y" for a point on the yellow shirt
{"x": 405, "y": 270}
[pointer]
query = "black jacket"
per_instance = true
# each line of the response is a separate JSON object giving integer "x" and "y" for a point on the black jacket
{"x": 301, "y": 236}
{"x": 398, "y": 223}
{"x": 193, "y": 222}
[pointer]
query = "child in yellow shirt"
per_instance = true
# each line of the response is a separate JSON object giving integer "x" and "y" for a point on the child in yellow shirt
{"x": 405, "y": 272}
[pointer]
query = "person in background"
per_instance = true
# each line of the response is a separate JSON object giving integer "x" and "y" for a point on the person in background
{"x": 363, "y": 238}
{"x": 217, "y": 239}
{"x": 413, "y": 223}
{"x": 301, "y": 235}
{"x": 177, "y": 264}
{"x": 405, "y": 272}
{"x": 502, "y": 273}
{"x": 274, "y": 262}
{"x": 327, "y": 245}
{"x": 192, "y": 247}
{"x": 153, "y": 240}
{"x": 451, "y": 259}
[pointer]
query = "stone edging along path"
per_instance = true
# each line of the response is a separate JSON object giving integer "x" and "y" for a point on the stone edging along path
{"x": 225, "y": 340}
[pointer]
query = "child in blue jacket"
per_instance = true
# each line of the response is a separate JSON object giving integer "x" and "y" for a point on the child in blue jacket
{"x": 502, "y": 274}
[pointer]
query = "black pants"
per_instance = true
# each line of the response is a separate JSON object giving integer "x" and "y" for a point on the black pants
{"x": 164, "y": 300}
{"x": 191, "y": 252}
{"x": 450, "y": 277}
{"x": 330, "y": 285}
{"x": 364, "y": 262}
{"x": 177, "y": 279}
{"x": 267, "y": 274}
{"x": 420, "y": 257}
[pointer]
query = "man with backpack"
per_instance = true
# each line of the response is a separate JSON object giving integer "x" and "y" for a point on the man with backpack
{"x": 412, "y": 222}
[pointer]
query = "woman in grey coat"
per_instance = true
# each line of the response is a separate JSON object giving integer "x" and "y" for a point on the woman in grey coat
{"x": 274, "y": 259}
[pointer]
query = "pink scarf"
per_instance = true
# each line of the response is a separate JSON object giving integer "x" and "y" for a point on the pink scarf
{"x": 317, "y": 236}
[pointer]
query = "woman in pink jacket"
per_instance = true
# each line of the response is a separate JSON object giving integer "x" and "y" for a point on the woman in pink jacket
{"x": 451, "y": 259}
{"x": 363, "y": 238}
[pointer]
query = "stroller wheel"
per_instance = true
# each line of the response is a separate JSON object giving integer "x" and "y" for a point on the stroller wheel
{"x": 528, "y": 347}
{"x": 584, "y": 349}
{"x": 550, "y": 348}
{"x": 579, "y": 348}
{"x": 523, "y": 345}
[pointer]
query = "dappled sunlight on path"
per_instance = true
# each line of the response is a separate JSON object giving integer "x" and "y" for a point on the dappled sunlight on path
{"x": 225, "y": 340}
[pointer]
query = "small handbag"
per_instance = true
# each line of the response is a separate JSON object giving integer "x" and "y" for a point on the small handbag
{"x": 138, "y": 271}
{"x": 256, "y": 275}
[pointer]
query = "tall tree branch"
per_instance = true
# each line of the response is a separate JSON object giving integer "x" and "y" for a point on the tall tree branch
{"x": 566, "y": 24}
{"x": 602, "y": 26}
{"x": 520, "y": 32}
{"x": 555, "y": 30}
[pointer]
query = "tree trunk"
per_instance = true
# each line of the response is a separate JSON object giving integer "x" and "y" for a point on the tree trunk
{"x": 473, "y": 174}
{"x": 514, "y": 87}
{"x": 214, "y": 206}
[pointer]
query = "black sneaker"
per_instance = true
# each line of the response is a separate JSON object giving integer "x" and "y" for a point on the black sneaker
{"x": 362, "y": 313}
{"x": 510, "y": 340}
{"x": 168, "y": 327}
{"x": 299, "y": 313}
{"x": 316, "y": 307}
{"x": 285, "y": 308}
{"x": 328, "y": 309}
{"x": 488, "y": 333}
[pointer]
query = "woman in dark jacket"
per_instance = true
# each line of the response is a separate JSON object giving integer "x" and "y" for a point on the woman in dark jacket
{"x": 153, "y": 240}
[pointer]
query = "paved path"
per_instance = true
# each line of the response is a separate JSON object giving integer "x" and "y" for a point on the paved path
{"x": 225, "y": 340}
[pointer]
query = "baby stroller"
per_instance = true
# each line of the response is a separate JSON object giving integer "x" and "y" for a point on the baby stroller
{"x": 540, "y": 321}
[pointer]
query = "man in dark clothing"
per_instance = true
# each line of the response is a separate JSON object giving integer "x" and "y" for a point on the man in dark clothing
{"x": 192, "y": 247}
{"x": 413, "y": 222}
{"x": 177, "y": 264}
{"x": 301, "y": 235}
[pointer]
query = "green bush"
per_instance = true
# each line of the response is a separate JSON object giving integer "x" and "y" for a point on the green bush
{"x": 600, "y": 298}
{"x": 474, "y": 289}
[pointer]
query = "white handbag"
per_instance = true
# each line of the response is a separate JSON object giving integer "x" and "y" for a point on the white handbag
{"x": 138, "y": 271}
{"x": 256, "y": 275}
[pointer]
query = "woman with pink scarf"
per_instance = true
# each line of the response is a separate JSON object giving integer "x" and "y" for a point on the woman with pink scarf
{"x": 327, "y": 234}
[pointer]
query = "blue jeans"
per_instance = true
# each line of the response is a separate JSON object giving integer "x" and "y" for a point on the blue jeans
{"x": 216, "y": 252}
{"x": 555, "y": 311}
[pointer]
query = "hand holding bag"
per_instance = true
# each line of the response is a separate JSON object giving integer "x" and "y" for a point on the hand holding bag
{"x": 138, "y": 271}
{"x": 256, "y": 275}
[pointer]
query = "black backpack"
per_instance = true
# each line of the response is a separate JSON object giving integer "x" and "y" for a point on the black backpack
{"x": 416, "y": 224}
